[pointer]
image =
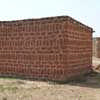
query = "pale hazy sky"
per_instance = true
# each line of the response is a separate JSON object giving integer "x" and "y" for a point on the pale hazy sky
{"x": 86, "y": 11}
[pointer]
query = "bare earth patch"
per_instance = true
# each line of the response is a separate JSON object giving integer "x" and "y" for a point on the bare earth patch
{"x": 17, "y": 89}
{"x": 96, "y": 61}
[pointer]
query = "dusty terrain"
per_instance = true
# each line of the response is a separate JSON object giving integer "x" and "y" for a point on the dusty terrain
{"x": 17, "y": 89}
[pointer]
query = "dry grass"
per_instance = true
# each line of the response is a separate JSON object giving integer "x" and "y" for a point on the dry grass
{"x": 17, "y": 89}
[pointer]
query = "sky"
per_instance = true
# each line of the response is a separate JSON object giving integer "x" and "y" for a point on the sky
{"x": 85, "y": 11}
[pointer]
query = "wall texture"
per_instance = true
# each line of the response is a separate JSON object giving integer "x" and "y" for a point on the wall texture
{"x": 96, "y": 47}
{"x": 54, "y": 48}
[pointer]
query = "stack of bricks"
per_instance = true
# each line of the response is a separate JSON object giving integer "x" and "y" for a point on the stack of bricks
{"x": 96, "y": 47}
{"x": 53, "y": 48}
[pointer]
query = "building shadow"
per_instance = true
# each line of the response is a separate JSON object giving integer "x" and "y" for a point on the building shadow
{"x": 91, "y": 80}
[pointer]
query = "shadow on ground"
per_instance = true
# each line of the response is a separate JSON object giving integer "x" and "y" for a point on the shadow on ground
{"x": 91, "y": 81}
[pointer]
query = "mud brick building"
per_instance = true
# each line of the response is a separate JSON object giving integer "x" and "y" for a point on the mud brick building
{"x": 96, "y": 47}
{"x": 53, "y": 48}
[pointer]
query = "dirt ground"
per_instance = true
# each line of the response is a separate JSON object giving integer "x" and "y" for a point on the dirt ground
{"x": 17, "y": 89}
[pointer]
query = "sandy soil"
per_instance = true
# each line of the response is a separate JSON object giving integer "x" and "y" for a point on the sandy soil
{"x": 96, "y": 61}
{"x": 17, "y": 89}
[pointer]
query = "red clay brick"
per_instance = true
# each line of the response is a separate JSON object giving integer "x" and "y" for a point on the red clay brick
{"x": 54, "y": 48}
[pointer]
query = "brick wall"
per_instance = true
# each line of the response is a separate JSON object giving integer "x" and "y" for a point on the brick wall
{"x": 96, "y": 47}
{"x": 54, "y": 48}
